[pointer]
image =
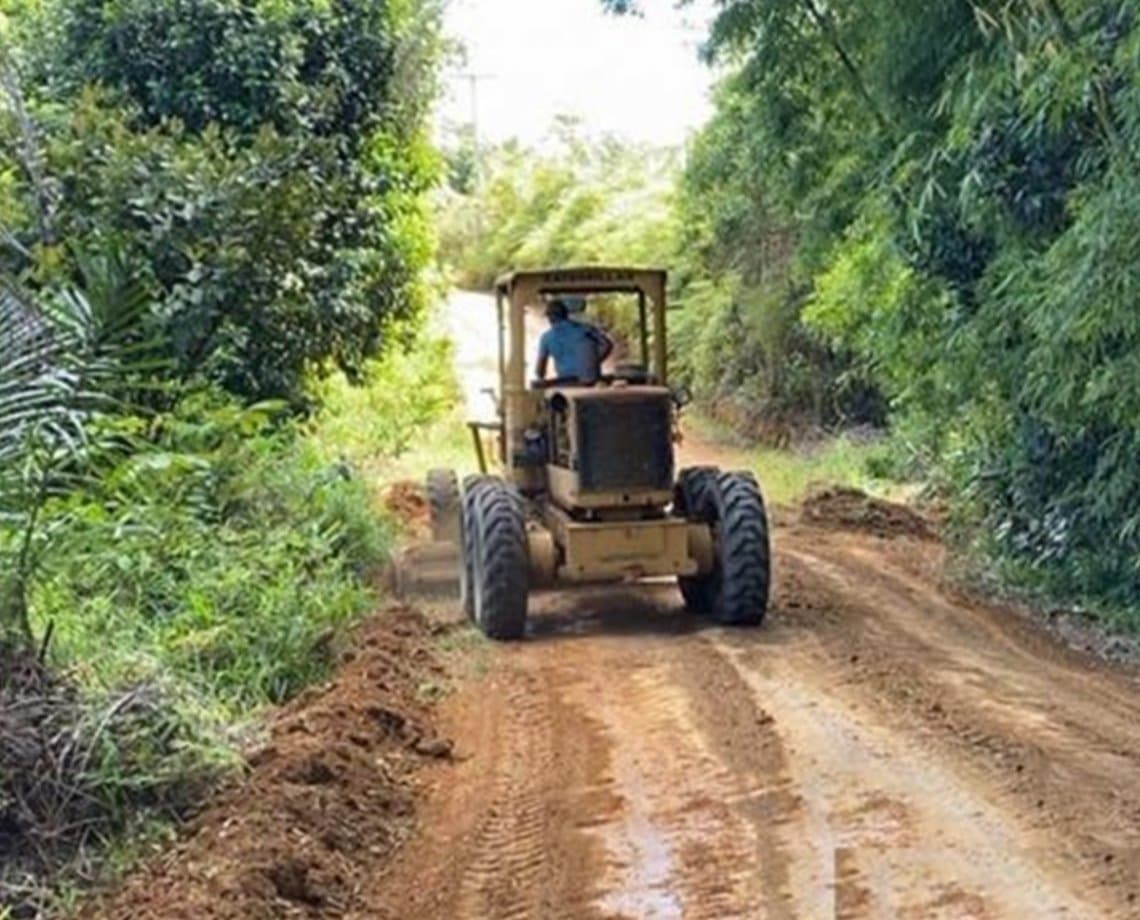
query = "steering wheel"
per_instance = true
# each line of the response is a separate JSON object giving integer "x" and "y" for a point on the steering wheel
{"x": 555, "y": 382}
{"x": 629, "y": 373}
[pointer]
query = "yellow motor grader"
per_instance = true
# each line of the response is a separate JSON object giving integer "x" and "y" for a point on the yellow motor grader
{"x": 584, "y": 489}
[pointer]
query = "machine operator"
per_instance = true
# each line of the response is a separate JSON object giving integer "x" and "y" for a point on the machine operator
{"x": 578, "y": 349}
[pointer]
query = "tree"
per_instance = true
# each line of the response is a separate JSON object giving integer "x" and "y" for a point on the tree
{"x": 263, "y": 163}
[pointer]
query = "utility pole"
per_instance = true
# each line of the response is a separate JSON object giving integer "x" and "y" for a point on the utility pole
{"x": 473, "y": 80}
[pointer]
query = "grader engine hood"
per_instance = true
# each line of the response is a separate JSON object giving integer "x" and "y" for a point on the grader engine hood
{"x": 612, "y": 446}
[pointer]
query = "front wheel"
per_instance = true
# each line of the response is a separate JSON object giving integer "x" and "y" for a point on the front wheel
{"x": 736, "y": 591}
{"x": 443, "y": 505}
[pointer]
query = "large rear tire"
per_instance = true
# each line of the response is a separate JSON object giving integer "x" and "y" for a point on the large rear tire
{"x": 690, "y": 496}
{"x": 736, "y": 591}
{"x": 741, "y": 580}
{"x": 443, "y": 505}
{"x": 500, "y": 570}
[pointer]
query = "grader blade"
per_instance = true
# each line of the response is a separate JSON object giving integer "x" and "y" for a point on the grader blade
{"x": 427, "y": 571}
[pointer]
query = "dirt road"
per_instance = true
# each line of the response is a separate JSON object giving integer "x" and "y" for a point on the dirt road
{"x": 882, "y": 748}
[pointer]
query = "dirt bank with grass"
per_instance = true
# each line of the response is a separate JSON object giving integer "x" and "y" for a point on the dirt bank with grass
{"x": 323, "y": 802}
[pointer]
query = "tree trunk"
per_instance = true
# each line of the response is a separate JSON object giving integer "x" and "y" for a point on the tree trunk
{"x": 826, "y": 26}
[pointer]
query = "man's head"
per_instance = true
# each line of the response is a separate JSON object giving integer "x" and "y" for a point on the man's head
{"x": 557, "y": 311}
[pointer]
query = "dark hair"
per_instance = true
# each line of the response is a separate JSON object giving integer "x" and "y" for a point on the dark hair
{"x": 557, "y": 309}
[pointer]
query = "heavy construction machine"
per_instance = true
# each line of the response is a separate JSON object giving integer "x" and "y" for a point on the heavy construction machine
{"x": 584, "y": 487}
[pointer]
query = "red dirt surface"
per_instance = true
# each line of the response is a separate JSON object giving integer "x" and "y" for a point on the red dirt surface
{"x": 326, "y": 799}
{"x": 882, "y": 747}
{"x": 406, "y": 502}
{"x": 850, "y": 509}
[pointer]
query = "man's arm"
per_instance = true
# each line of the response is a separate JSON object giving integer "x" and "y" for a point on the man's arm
{"x": 606, "y": 346}
{"x": 603, "y": 342}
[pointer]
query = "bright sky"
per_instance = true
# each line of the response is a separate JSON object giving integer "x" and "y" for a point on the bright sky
{"x": 639, "y": 78}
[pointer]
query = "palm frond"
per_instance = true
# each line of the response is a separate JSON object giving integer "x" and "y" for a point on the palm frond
{"x": 63, "y": 361}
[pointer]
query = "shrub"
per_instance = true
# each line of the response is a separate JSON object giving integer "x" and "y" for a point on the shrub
{"x": 199, "y": 580}
{"x": 387, "y": 414}
{"x": 224, "y": 557}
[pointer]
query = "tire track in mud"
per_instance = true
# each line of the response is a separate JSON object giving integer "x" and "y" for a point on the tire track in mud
{"x": 897, "y": 832}
{"x": 751, "y": 779}
{"x": 505, "y": 877}
{"x": 506, "y": 829}
{"x": 694, "y": 839}
{"x": 1053, "y": 736}
{"x": 879, "y": 749}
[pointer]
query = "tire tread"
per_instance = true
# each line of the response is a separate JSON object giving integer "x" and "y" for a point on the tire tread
{"x": 500, "y": 561}
{"x": 743, "y": 550}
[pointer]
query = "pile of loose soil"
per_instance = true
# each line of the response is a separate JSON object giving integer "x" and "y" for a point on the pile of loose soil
{"x": 407, "y": 503}
{"x": 851, "y": 509}
{"x": 324, "y": 803}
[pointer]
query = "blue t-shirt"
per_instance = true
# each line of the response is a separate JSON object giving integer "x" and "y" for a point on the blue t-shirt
{"x": 576, "y": 349}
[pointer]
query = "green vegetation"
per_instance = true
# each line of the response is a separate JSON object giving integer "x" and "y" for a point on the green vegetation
{"x": 257, "y": 166}
{"x": 943, "y": 197}
{"x": 601, "y": 200}
{"x": 236, "y": 547}
{"x": 406, "y": 418}
{"x": 579, "y": 200}
{"x": 212, "y": 217}
{"x": 858, "y": 460}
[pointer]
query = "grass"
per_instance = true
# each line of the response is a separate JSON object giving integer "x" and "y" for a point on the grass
{"x": 217, "y": 570}
{"x": 231, "y": 593}
{"x": 467, "y": 654}
{"x": 467, "y": 650}
{"x": 788, "y": 475}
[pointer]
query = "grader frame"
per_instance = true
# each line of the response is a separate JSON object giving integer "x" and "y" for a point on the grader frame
{"x": 586, "y": 491}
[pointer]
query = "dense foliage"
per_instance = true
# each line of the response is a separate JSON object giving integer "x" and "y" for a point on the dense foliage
{"x": 258, "y": 166}
{"x": 576, "y": 200}
{"x": 212, "y": 213}
{"x": 581, "y": 199}
{"x": 946, "y": 193}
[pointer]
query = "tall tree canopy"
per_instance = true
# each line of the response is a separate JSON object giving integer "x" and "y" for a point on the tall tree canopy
{"x": 260, "y": 164}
